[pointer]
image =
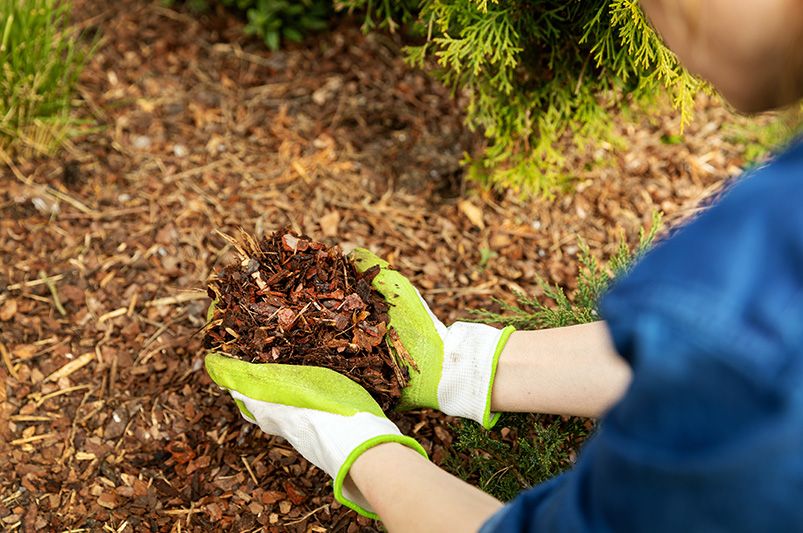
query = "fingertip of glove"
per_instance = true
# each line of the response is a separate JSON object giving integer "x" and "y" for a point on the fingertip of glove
{"x": 364, "y": 259}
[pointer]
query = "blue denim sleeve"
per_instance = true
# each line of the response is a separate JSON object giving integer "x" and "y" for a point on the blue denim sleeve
{"x": 709, "y": 436}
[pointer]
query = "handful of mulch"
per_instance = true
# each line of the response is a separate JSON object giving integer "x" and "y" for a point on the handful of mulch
{"x": 293, "y": 300}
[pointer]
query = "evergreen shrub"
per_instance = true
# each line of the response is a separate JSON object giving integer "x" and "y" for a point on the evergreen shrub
{"x": 541, "y": 76}
{"x": 538, "y": 72}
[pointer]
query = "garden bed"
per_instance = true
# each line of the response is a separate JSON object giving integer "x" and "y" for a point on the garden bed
{"x": 106, "y": 415}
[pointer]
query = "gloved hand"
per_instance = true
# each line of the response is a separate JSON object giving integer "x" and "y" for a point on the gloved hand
{"x": 455, "y": 365}
{"x": 324, "y": 415}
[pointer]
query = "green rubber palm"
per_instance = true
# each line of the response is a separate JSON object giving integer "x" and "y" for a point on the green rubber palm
{"x": 328, "y": 418}
{"x": 418, "y": 329}
{"x": 455, "y": 366}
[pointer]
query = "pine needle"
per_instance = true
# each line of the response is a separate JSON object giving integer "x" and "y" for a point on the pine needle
{"x": 54, "y": 293}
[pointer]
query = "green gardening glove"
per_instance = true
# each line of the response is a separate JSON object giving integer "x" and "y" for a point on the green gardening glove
{"x": 454, "y": 366}
{"x": 324, "y": 415}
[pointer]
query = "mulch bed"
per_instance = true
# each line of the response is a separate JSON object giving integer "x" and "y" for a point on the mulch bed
{"x": 107, "y": 419}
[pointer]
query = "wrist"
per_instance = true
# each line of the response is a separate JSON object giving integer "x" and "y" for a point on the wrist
{"x": 368, "y": 472}
{"x": 368, "y": 463}
{"x": 364, "y": 463}
{"x": 571, "y": 370}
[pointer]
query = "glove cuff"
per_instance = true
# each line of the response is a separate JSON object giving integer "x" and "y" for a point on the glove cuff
{"x": 356, "y": 501}
{"x": 470, "y": 357}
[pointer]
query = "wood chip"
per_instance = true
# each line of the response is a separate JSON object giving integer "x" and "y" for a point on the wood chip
{"x": 177, "y": 299}
{"x": 77, "y": 363}
{"x": 472, "y": 212}
{"x": 8, "y": 310}
{"x": 109, "y": 500}
{"x": 329, "y": 223}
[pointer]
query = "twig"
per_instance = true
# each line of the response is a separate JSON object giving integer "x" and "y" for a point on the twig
{"x": 175, "y": 15}
{"x": 250, "y": 472}
{"x": 306, "y": 515}
{"x": 239, "y": 53}
{"x": 460, "y": 291}
{"x": 112, "y": 314}
{"x": 7, "y": 361}
{"x": 195, "y": 170}
{"x": 34, "y": 438}
{"x": 69, "y": 447}
{"x": 177, "y": 299}
{"x": 61, "y": 392}
{"x": 33, "y": 283}
{"x": 13, "y": 497}
{"x": 72, "y": 366}
{"x": 53, "y": 292}
{"x": 30, "y": 418}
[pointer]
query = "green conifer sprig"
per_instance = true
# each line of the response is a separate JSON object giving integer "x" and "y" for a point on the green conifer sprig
{"x": 554, "y": 308}
{"x": 526, "y": 449}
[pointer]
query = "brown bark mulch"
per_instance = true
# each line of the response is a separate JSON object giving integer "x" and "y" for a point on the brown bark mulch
{"x": 107, "y": 419}
{"x": 293, "y": 300}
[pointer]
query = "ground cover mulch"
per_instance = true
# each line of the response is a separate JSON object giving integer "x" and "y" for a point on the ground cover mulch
{"x": 107, "y": 419}
{"x": 294, "y": 300}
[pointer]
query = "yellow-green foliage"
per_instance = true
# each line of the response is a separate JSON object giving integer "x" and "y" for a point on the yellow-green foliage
{"x": 536, "y": 71}
{"x": 40, "y": 61}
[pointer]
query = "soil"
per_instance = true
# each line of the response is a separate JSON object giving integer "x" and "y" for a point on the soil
{"x": 107, "y": 418}
{"x": 293, "y": 300}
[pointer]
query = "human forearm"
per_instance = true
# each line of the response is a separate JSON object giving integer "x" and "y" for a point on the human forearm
{"x": 387, "y": 475}
{"x": 573, "y": 370}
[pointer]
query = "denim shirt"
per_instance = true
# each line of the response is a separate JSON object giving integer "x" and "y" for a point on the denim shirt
{"x": 709, "y": 435}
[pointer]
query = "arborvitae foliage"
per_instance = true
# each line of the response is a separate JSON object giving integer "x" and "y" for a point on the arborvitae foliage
{"x": 538, "y": 71}
{"x": 539, "y": 74}
{"x": 526, "y": 449}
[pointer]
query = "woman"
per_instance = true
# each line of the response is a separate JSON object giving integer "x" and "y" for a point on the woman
{"x": 697, "y": 369}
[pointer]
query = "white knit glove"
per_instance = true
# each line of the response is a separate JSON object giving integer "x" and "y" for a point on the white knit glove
{"x": 328, "y": 418}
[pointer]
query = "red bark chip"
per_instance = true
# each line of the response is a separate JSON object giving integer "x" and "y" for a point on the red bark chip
{"x": 293, "y": 494}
